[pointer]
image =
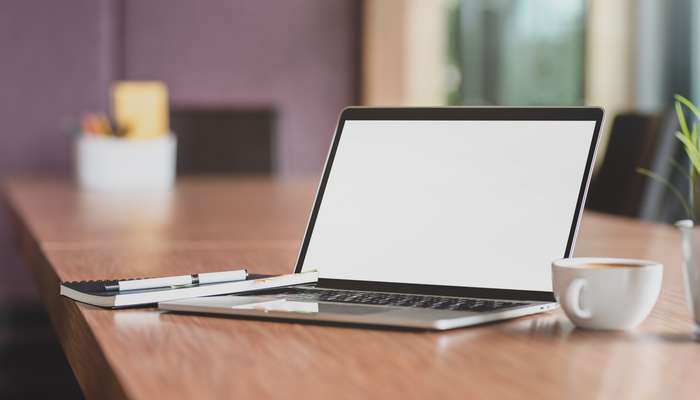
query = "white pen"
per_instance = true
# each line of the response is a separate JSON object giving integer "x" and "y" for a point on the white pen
{"x": 166, "y": 281}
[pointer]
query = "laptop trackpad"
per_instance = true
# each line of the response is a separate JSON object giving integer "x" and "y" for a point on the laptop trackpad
{"x": 309, "y": 307}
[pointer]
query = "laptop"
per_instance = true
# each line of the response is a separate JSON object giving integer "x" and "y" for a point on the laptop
{"x": 436, "y": 218}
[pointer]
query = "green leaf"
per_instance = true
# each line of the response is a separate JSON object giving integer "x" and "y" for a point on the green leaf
{"x": 668, "y": 185}
{"x": 694, "y": 135}
{"x": 681, "y": 120}
{"x": 688, "y": 104}
{"x": 690, "y": 150}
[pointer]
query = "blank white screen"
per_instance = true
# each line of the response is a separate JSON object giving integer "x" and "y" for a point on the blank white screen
{"x": 459, "y": 203}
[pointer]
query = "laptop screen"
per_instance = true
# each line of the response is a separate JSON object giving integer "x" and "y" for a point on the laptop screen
{"x": 465, "y": 203}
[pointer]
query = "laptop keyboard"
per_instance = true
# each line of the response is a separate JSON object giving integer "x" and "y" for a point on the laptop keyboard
{"x": 401, "y": 300}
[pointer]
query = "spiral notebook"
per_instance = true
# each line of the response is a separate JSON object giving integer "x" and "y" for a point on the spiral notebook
{"x": 91, "y": 292}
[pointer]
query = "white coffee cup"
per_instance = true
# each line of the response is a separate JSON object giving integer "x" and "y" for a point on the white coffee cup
{"x": 606, "y": 293}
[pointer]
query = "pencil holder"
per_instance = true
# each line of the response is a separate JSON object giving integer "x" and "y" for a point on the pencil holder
{"x": 105, "y": 163}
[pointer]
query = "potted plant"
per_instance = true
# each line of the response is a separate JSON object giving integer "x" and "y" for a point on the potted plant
{"x": 690, "y": 237}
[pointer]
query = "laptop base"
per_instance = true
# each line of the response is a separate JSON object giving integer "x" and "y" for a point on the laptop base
{"x": 282, "y": 307}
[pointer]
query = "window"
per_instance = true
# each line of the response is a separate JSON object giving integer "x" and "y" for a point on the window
{"x": 516, "y": 52}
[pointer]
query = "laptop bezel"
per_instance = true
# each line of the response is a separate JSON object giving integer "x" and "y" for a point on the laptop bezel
{"x": 458, "y": 114}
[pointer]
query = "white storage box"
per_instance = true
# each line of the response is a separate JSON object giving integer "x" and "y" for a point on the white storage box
{"x": 105, "y": 163}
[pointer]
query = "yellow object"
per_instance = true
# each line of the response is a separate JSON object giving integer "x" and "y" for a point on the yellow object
{"x": 141, "y": 108}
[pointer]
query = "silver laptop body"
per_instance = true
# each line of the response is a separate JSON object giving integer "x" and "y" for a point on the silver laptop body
{"x": 436, "y": 218}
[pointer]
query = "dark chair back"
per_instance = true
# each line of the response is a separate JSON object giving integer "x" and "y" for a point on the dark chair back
{"x": 617, "y": 188}
{"x": 224, "y": 140}
{"x": 646, "y": 141}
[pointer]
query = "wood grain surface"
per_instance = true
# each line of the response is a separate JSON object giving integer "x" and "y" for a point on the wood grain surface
{"x": 218, "y": 224}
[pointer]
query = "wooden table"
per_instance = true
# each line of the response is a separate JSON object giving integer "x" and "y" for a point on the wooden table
{"x": 209, "y": 224}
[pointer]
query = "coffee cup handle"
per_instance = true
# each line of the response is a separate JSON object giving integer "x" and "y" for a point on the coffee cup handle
{"x": 573, "y": 298}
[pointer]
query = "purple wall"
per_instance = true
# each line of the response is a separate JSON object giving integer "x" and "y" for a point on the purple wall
{"x": 53, "y": 65}
{"x": 297, "y": 55}
{"x": 59, "y": 57}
